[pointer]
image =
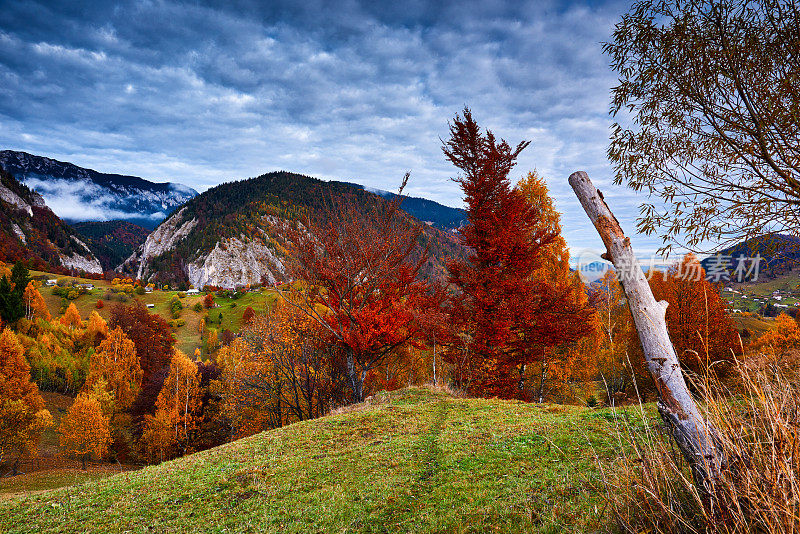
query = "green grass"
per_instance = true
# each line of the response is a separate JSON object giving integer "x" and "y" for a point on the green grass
{"x": 44, "y": 480}
{"x": 416, "y": 460}
{"x": 187, "y": 336}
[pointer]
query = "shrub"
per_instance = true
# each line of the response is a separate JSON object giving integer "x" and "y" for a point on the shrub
{"x": 198, "y": 307}
{"x": 99, "y": 305}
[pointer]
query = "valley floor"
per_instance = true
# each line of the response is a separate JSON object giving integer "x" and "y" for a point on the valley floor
{"x": 416, "y": 460}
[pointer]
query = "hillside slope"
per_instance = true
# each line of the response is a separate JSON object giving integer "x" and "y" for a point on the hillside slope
{"x": 438, "y": 215}
{"x": 77, "y": 194}
{"x": 417, "y": 460}
{"x": 231, "y": 235}
{"x": 111, "y": 241}
{"x": 31, "y": 232}
{"x": 779, "y": 255}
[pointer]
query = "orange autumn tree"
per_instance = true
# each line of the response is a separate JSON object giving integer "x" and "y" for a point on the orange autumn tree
{"x": 506, "y": 311}
{"x": 96, "y": 328}
{"x": 84, "y": 429}
{"x": 212, "y": 340}
{"x": 23, "y": 416}
{"x": 615, "y": 331}
{"x": 784, "y": 337}
{"x": 178, "y": 405}
{"x": 35, "y": 306}
{"x": 699, "y": 324}
{"x": 250, "y": 402}
{"x": 115, "y": 362}
{"x": 279, "y": 370}
{"x": 248, "y": 315}
{"x": 556, "y": 367}
{"x": 72, "y": 317}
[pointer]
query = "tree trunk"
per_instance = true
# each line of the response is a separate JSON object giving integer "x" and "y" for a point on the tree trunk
{"x": 434, "y": 360}
{"x": 356, "y": 380}
{"x": 693, "y": 435}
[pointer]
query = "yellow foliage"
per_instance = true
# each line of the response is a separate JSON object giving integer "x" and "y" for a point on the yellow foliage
{"x": 84, "y": 430}
{"x": 177, "y": 409}
{"x": 71, "y": 317}
{"x": 97, "y": 326}
{"x": 35, "y": 306}
{"x": 115, "y": 363}
{"x": 785, "y": 336}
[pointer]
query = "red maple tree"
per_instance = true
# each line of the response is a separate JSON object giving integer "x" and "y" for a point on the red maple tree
{"x": 359, "y": 262}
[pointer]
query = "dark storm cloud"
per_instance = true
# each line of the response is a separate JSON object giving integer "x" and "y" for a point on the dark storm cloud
{"x": 201, "y": 93}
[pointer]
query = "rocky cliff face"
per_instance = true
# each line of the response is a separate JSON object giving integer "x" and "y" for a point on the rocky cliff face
{"x": 233, "y": 262}
{"x": 78, "y": 194}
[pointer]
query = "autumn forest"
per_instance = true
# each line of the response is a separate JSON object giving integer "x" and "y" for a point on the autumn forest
{"x": 287, "y": 354}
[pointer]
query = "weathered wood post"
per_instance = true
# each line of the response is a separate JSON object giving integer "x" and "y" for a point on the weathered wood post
{"x": 693, "y": 435}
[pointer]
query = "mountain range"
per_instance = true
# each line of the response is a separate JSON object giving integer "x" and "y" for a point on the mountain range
{"x": 778, "y": 254}
{"x": 77, "y": 194}
{"x": 427, "y": 211}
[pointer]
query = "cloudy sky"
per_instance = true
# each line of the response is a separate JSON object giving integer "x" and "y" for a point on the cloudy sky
{"x": 200, "y": 93}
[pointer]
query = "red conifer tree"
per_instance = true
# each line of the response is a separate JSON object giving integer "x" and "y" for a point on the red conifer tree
{"x": 504, "y": 314}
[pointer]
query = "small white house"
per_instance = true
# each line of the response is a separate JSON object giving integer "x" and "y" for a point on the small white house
{"x": 193, "y": 292}
{"x": 151, "y": 305}
{"x": 51, "y": 282}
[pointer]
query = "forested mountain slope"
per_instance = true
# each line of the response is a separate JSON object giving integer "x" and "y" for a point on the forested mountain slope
{"x": 111, "y": 241}
{"x": 231, "y": 235}
{"x": 30, "y": 231}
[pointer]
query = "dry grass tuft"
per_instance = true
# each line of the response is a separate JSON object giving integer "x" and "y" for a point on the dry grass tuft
{"x": 758, "y": 421}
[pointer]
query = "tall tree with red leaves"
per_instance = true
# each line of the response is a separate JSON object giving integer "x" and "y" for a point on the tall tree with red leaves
{"x": 504, "y": 314}
{"x": 360, "y": 266}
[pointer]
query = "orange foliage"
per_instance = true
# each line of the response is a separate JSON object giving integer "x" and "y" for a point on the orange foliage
{"x": 22, "y": 413}
{"x": 84, "y": 430}
{"x": 177, "y": 409}
{"x": 71, "y": 317}
{"x": 96, "y": 328}
{"x": 360, "y": 265}
{"x": 35, "y": 306}
{"x": 277, "y": 371}
{"x": 784, "y": 337}
{"x": 116, "y": 363}
{"x": 697, "y": 318}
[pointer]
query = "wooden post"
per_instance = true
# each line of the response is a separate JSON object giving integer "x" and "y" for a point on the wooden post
{"x": 693, "y": 435}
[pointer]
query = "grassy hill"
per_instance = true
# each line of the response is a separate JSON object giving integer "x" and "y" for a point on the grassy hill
{"x": 416, "y": 460}
{"x": 187, "y": 336}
